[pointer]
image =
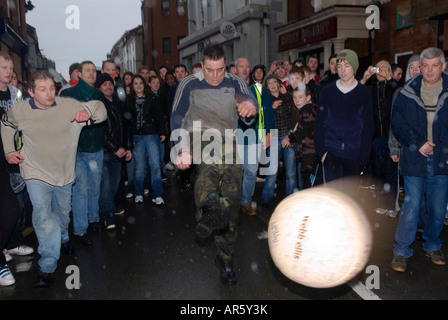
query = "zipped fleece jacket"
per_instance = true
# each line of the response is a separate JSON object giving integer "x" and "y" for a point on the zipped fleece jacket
{"x": 409, "y": 125}
{"x": 92, "y": 138}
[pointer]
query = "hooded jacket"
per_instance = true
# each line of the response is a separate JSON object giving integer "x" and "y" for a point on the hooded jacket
{"x": 409, "y": 125}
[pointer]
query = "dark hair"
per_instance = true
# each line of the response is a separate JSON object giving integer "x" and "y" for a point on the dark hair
{"x": 40, "y": 75}
{"x": 84, "y": 63}
{"x": 213, "y": 52}
{"x": 299, "y": 70}
{"x": 147, "y": 89}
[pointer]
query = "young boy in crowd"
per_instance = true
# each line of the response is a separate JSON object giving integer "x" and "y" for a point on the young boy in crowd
{"x": 302, "y": 134}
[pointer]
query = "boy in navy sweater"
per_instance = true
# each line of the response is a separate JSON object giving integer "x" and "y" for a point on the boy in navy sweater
{"x": 344, "y": 125}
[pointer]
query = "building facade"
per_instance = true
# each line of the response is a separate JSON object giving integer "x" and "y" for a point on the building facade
{"x": 245, "y": 28}
{"x": 127, "y": 52}
{"x": 164, "y": 22}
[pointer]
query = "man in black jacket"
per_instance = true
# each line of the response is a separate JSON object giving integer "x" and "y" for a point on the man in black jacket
{"x": 116, "y": 149}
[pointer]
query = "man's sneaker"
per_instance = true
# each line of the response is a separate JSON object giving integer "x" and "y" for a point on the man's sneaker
{"x": 158, "y": 201}
{"x": 138, "y": 199}
{"x": 129, "y": 195}
{"x": 212, "y": 219}
{"x": 109, "y": 224}
{"x": 146, "y": 191}
{"x": 380, "y": 210}
{"x": 437, "y": 257}
{"x": 119, "y": 212}
{"x": 399, "y": 263}
{"x": 8, "y": 257}
{"x": 226, "y": 271}
{"x": 22, "y": 250}
{"x": 6, "y": 278}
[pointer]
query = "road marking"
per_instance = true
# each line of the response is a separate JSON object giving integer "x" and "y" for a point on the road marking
{"x": 362, "y": 290}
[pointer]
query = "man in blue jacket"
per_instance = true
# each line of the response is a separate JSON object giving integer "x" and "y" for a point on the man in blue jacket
{"x": 420, "y": 124}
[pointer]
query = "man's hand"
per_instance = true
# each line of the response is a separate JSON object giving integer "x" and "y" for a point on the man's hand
{"x": 426, "y": 148}
{"x": 81, "y": 116}
{"x": 246, "y": 109}
{"x": 183, "y": 160}
{"x": 14, "y": 158}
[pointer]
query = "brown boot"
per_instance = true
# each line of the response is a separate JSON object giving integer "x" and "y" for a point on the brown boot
{"x": 249, "y": 210}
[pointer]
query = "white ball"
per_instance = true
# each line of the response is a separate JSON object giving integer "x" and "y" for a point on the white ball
{"x": 319, "y": 237}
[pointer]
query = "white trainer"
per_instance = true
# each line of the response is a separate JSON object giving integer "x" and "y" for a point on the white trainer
{"x": 8, "y": 257}
{"x": 158, "y": 201}
{"x": 6, "y": 278}
{"x": 138, "y": 199}
{"x": 21, "y": 250}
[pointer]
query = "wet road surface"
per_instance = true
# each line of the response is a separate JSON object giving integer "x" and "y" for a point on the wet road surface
{"x": 152, "y": 254}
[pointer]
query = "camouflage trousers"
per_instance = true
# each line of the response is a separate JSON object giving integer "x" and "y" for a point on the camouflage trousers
{"x": 220, "y": 184}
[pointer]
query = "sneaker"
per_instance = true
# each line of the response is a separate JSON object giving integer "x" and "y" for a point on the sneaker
{"x": 146, "y": 191}
{"x": 158, "y": 201}
{"x": 22, "y": 250}
{"x": 437, "y": 257}
{"x": 6, "y": 278}
{"x": 119, "y": 212}
{"x": 138, "y": 199}
{"x": 129, "y": 195}
{"x": 380, "y": 210}
{"x": 399, "y": 263}
{"x": 109, "y": 224}
{"x": 391, "y": 213}
{"x": 226, "y": 271}
{"x": 7, "y": 255}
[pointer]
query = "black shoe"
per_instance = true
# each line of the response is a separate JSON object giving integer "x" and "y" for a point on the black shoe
{"x": 44, "y": 280}
{"x": 226, "y": 271}
{"x": 94, "y": 226}
{"x": 84, "y": 239}
{"x": 212, "y": 219}
{"x": 67, "y": 248}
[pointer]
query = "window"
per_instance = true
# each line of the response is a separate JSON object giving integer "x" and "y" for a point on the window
{"x": 165, "y": 7}
{"x": 405, "y": 18}
{"x": 166, "y": 45}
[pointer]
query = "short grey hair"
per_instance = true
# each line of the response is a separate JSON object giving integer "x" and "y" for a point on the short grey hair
{"x": 431, "y": 53}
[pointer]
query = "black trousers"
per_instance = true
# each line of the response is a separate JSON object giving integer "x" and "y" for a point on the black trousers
{"x": 9, "y": 211}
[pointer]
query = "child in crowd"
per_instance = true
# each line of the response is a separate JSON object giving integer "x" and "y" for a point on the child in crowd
{"x": 302, "y": 134}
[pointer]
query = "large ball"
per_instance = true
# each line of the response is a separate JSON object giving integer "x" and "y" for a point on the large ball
{"x": 319, "y": 237}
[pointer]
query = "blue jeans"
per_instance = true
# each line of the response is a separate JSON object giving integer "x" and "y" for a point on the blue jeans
{"x": 147, "y": 150}
{"x": 250, "y": 157}
{"x": 436, "y": 187}
{"x": 51, "y": 217}
{"x": 86, "y": 190}
{"x": 110, "y": 182}
{"x": 289, "y": 162}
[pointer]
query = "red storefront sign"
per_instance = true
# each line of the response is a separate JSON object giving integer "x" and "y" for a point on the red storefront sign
{"x": 316, "y": 32}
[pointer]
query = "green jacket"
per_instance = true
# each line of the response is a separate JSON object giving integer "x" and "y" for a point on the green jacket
{"x": 91, "y": 138}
